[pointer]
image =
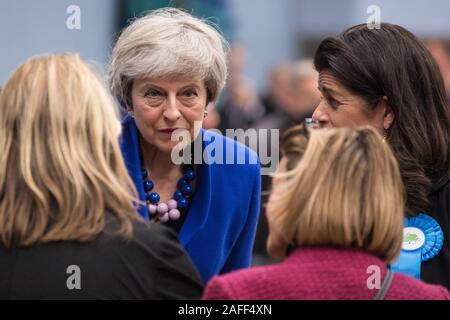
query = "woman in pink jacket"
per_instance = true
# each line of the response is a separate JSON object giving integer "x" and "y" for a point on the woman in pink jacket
{"x": 336, "y": 220}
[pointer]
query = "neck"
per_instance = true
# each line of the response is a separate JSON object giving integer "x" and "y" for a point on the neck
{"x": 159, "y": 163}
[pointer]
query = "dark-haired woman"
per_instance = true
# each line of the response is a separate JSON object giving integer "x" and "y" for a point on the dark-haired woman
{"x": 387, "y": 78}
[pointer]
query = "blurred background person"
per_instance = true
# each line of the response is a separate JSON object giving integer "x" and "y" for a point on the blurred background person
{"x": 332, "y": 215}
{"x": 292, "y": 95}
{"x": 439, "y": 49}
{"x": 166, "y": 68}
{"x": 68, "y": 224}
{"x": 400, "y": 92}
{"x": 241, "y": 106}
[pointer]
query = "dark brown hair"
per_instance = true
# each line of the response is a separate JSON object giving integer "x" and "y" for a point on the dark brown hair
{"x": 392, "y": 62}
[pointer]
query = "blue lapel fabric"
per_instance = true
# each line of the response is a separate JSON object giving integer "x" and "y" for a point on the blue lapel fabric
{"x": 129, "y": 144}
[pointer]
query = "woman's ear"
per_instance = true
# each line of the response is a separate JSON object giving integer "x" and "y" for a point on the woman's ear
{"x": 388, "y": 114}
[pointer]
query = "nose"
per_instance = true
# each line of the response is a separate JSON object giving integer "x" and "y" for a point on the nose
{"x": 171, "y": 111}
{"x": 320, "y": 114}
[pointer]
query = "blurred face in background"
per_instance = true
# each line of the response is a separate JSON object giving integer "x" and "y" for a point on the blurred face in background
{"x": 307, "y": 95}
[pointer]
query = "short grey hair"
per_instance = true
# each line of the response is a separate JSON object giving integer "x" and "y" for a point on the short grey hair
{"x": 167, "y": 44}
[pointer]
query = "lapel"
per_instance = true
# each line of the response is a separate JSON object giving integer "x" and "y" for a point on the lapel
{"x": 201, "y": 202}
{"x": 129, "y": 144}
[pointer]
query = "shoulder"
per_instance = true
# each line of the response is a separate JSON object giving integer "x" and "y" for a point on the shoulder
{"x": 149, "y": 242}
{"x": 243, "y": 284}
{"x": 408, "y": 288}
{"x": 156, "y": 238}
{"x": 234, "y": 153}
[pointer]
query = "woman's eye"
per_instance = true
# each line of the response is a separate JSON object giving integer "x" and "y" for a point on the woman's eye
{"x": 334, "y": 103}
{"x": 190, "y": 93}
{"x": 152, "y": 93}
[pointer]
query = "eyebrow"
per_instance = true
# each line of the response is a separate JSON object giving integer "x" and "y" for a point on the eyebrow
{"x": 327, "y": 90}
{"x": 149, "y": 84}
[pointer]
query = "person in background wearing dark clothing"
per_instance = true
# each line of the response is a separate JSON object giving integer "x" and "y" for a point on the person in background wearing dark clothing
{"x": 68, "y": 223}
{"x": 292, "y": 97}
{"x": 386, "y": 78}
{"x": 439, "y": 49}
{"x": 241, "y": 107}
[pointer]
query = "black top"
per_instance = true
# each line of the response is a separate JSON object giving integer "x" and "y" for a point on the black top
{"x": 437, "y": 270}
{"x": 153, "y": 265}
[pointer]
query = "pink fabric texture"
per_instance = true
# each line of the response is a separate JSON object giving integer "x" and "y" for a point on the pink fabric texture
{"x": 318, "y": 274}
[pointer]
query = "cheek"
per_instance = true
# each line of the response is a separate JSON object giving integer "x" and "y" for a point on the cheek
{"x": 146, "y": 120}
{"x": 194, "y": 116}
{"x": 348, "y": 116}
{"x": 148, "y": 117}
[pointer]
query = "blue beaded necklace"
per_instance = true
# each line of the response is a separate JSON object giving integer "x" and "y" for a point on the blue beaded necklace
{"x": 170, "y": 210}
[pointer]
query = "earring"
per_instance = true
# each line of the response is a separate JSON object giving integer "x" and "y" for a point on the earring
{"x": 131, "y": 113}
{"x": 205, "y": 114}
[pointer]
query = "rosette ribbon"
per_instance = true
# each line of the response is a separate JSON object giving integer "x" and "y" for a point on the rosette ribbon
{"x": 422, "y": 241}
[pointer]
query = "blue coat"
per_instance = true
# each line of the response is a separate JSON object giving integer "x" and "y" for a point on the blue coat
{"x": 220, "y": 228}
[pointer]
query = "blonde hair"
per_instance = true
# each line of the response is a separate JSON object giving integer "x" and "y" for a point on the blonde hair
{"x": 346, "y": 191}
{"x": 61, "y": 167}
{"x": 165, "y": 44}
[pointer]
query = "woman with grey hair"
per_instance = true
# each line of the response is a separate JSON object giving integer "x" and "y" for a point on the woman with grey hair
{"x": 165, "y": 69}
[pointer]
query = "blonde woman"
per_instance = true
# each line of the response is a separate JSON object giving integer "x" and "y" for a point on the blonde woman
{"x": 68, "y": 225}
{"x": 335, "y": 218}
{"x": 166, "y": 68}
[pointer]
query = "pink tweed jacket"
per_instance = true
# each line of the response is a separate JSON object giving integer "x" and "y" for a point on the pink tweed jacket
{"x": 319, "y": 274}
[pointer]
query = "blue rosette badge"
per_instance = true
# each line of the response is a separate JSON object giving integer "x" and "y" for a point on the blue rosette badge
{"x": 422, "y": 240}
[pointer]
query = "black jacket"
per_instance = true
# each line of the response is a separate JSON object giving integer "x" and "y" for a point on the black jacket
{"x": 437, "y": 270}
{"x": 153, "y": 265}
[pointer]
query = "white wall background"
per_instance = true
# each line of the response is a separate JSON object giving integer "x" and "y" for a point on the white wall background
{"x": 271, "y": 29}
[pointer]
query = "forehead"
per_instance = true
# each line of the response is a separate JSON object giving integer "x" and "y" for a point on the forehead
{"x": 328, "y": 82}
{"x": 170, "y": 84}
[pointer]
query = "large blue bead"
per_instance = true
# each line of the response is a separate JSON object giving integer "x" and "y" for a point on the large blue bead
{"x": 189, "y": 175}
{"x": 182, "y": 203}
{"x": 144, "y": 173}
{"x": 148, "y": 185}
{"x": 187, "y": 190}
{"x": 177, "y": 195}
{"x": 152, "y": 197}
{"x": 182, "y": 183}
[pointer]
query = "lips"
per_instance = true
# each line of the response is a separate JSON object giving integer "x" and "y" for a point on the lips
{"x": 168, "y": 130}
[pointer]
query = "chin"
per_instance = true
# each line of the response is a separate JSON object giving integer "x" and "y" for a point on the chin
{"x": 166, "y": 147}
